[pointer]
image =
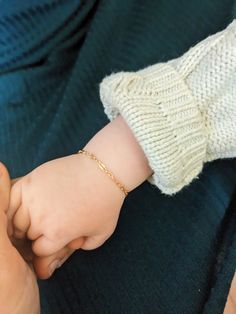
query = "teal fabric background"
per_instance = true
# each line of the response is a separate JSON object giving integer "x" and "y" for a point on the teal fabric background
{"x": 168, "y": 254}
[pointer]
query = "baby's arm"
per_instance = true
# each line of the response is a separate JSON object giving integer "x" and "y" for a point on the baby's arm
{"x": 117, "y": 147}
{"x": 178, "y": 130}
{"x": 183, "y": 111}
{"x": 70, "y": 198}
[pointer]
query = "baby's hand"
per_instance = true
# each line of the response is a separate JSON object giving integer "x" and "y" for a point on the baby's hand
{"x": 62, "y": 201}
{"x": 70, "y": 203}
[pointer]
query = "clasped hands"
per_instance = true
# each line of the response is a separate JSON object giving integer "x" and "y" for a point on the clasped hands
{"x": 63, "y": 205}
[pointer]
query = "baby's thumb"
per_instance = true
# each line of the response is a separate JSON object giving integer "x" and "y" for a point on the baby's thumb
{"x": 43, "y": 246}
{"x": 45, "y": 266}
{"x": 94, "y": 242}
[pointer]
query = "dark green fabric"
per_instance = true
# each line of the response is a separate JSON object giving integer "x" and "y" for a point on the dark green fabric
{"x": 168, "y": 254}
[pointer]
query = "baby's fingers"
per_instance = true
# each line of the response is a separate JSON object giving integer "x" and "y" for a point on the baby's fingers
{"x": 43, "y": 246}
{"x": 45, "y": 266}
{"x": 21, "y": 223}
{"x": 15, "y": 199}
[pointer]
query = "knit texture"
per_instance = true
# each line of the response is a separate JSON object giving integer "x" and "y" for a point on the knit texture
{"x": 182, "y": 112}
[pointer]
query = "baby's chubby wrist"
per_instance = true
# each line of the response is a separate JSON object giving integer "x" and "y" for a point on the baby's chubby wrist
{"x": 80, "y": 201}
{"x": 116, "y": 146}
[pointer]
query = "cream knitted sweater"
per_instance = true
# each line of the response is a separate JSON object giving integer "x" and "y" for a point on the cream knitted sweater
{"x": 182, "y": 112}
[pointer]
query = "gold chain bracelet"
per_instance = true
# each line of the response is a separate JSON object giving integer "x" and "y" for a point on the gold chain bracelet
{"x": 104, "y": 168}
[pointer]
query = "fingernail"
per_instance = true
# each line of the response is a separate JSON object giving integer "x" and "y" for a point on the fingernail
{"x": 55, "y": 264}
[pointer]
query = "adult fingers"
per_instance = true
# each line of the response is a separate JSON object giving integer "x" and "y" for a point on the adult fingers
{"x": 13, "y": 181}
{"x": 5, "y": 188}
{"x": 230, "y": 307}
{"x": 5, "y": 242}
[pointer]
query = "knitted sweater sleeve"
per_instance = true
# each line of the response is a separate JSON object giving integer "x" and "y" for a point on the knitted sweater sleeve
{"x": 182, "y": 112}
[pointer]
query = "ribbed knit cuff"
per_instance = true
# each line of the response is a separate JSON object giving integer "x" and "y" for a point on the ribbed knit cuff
{"x": 163, "y": 116}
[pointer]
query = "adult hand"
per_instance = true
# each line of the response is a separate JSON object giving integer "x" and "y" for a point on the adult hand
{"x": 18, "y": 286}
{"x": 230, "y": 307}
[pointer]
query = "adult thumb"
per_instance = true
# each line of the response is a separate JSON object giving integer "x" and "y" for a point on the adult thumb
{"x": 5, "y": 187}
{"x": 13, "y": 181}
